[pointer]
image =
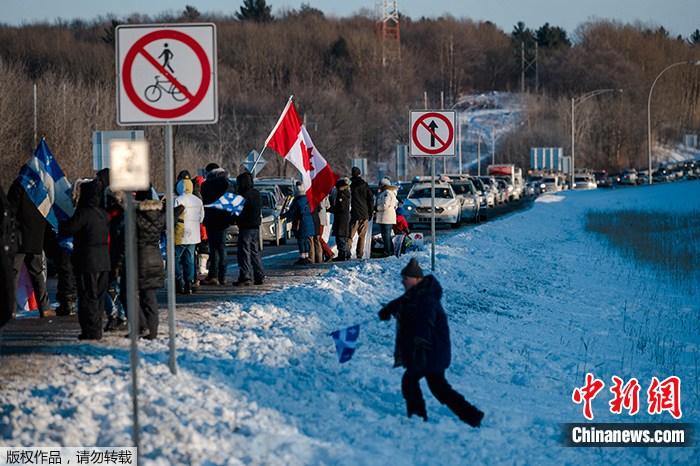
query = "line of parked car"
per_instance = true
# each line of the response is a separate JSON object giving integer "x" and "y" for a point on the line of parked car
{"x": 538, "y": 183}
{"x": 458, "y": 198}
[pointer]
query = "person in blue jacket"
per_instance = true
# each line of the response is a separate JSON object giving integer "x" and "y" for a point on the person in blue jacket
{"x": 423, "y": 345}
{"x": 302, "y": 223}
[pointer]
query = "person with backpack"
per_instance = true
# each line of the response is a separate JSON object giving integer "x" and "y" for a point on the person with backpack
{"x": 423, "y": 346}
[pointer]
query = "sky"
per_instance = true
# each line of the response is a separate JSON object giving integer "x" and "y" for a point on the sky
{"x": 678, "y": 16}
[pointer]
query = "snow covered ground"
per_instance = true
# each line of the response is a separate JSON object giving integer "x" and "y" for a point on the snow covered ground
{"x": 534, "y": 302}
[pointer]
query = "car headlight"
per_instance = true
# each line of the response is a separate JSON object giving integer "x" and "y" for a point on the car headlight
{"x": 543, "y": 186}
{"x": 409, "y": 208}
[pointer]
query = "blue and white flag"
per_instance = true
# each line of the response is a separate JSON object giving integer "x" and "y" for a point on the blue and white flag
{"x": 230, "y": 202}
{"x": 47, "y": 187}
{"x": 345, "y": 342}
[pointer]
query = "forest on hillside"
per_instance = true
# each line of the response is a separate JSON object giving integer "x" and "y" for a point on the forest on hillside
{"x": 353, "y": 104}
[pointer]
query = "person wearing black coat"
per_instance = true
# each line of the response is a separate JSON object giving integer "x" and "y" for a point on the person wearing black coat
{"x": 423, "y": 345}
{"x": 361, "y": 211}
{"x": 89, "y": 228}
{"x": 8, "y": 248}
{"x": 150, "y": 224}
{"x": 341, "y": 219}
{"x": 32, "y": 228}
{"x": 249, "y": 254}
{"x": 216, "y": 221}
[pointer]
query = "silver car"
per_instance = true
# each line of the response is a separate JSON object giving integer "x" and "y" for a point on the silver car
{"x": 469, "y": 197}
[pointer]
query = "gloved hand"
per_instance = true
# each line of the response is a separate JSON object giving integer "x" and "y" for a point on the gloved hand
{"x": 385, "y": 314}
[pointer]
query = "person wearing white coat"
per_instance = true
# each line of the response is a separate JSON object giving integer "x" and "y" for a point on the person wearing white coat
{"x": 386, "y": 213}
{"x": 187, "y": 234}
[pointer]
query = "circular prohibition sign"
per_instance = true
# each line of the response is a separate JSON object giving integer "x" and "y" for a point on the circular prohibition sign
{"x": 421, "y": 122}
{"x": 193, "y": 99}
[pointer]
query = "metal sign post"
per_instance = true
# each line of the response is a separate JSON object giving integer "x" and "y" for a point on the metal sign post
{"x": 129, "y": 172}
{"x": 170, "y": 243}
{"x": 132, "y": 305}
{"x": 432, "y": 134}
{"x": 432, "y": 216}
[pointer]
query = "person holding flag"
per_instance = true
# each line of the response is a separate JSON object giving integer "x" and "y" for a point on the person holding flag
{"x": 216, "y": 220}
{"x": 41, "y": 195}
{"x": 423, "y": 345}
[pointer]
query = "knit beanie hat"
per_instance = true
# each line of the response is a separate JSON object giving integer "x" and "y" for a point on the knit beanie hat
{"x": 412, "y": 269}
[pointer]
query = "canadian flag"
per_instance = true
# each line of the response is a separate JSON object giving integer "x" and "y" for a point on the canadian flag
{"x": 290, "y": 139}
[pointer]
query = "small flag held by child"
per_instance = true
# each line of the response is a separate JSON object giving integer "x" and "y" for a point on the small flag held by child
{"x": 345, "y": 342}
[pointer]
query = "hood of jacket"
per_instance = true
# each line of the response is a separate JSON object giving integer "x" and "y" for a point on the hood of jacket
{"x": 217, "y": 173}
{"x": 356, "y": 181}
{"x": 184, "y": 186}
{"x": 89, "y": 194}
{"x": 244, "y": 182}
{"x": 150, "y": 206}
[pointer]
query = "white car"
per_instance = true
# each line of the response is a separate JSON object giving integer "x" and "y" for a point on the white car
{"x": 552, "y": 184}
{"x": 585, "y": 182}
{"x": 448, "y": 209}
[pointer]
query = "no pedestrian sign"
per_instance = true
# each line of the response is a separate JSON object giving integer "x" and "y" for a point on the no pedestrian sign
{"x": 432, "y": 134}
{"x": 166, "y": 74}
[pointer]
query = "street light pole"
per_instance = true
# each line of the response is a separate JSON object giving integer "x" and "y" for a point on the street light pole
{"x": 673, "y": 65}
{"x": 574, "y": 102}
{"x": 573, "y": 140}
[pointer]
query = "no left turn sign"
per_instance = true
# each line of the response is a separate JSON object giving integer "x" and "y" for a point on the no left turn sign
{"x": 166, "y": 74}
{"x": 432, "y": 134}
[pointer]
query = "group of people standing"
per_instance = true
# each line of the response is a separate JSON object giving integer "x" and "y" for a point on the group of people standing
{"x": 91, "y": 277}
{"x": 353, "y": 205}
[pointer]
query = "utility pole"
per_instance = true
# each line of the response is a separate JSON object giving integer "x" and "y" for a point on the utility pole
{"x": 527, "y": 65}
{"x": 389, "y": 31}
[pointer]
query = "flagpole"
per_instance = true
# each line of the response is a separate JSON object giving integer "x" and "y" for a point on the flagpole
{"x": 262, "y": 151}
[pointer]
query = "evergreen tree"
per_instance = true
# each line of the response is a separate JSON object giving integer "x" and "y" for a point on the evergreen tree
{"x": 694, "y": 38}
{"x": 522, "y": 33}
{"x": 255, "y": 10}
{"x": 191, "y": 13}
{"x": 552, "y": 37}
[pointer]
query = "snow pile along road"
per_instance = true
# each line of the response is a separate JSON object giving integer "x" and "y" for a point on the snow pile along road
{"x": 534, "y": 302}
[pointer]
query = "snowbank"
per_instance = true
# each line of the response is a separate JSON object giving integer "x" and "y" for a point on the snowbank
{"x": 534, "y": 303}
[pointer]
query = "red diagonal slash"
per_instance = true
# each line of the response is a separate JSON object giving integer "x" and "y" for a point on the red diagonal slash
{"x": 431, "y": 132}
{"x": 161, "y": 69}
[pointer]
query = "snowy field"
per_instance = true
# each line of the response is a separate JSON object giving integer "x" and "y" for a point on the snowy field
{"x": 534, "y": 302}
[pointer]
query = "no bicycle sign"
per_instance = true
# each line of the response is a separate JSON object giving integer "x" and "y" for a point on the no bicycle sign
{"x": 166, "y": 74}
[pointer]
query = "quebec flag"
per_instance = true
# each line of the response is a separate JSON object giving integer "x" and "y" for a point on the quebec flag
{"x": 345, "y": 342}
{"x": 229, "y": 202}
{"x": 47, "y": 187}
